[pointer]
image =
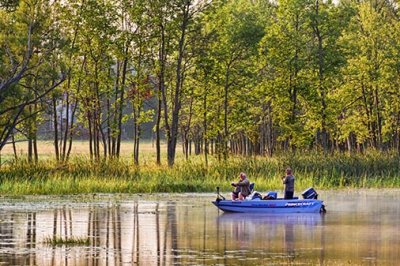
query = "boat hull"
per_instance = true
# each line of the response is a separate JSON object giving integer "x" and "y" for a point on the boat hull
{"x": 270, "y": 206}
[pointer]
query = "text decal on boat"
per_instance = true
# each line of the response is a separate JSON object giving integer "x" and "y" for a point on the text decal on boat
{"x": 298, "y": 204}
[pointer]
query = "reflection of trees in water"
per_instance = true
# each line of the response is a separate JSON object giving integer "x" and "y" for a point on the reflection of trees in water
{"x": 322, "y": 241}
{"x": 144, "y": 234}
{"x": 136, "y": 246}
{"x": 104, "y": 230}
{"x": 6, "y": 230}
{"x": 204, "y": 234}
{"x": 172, "y": 227}
{"x": 31, "y": 236}
{"x": 158, "y": 234}
{"x": 289, "y": 241}
{"x": 155, "y": 233}
{"x": 62, "y": 227}
{"x": 118, "y": 235}
{"x": 11, "y": 236}
{"x": 6, "y": 240}
{"x": 94, "y": 234}
{"x": 167, "y": 233}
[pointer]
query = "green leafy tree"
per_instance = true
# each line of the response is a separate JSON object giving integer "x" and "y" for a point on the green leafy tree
{"x": 235, "y": 31}
{"x": 96, "y": 38}
{"x": 29, "y": 41}
{"x": 326, "y": 62}
{"x": 285, "y": 53}
{"x": 369, "y": 54}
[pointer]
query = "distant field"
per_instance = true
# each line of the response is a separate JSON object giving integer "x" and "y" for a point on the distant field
{"x": 81, "y": 148}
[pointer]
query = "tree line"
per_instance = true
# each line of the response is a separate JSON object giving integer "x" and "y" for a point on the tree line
{"x": 249, "y": 77}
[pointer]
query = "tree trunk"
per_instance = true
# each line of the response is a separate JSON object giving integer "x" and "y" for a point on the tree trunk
{"x": 270, "y": 131}
{"x": 71, "y": 130}
{"x": 158, "y": 121}
{"x": 91, "y": 135}
{"x": 35, "y": 148}
{"x": 226, "y": 132}
{"x": 113, "y": 137}
{"x": 122, "y": 99}
{"x": 321, "y": 77}
{"x": 186, "y": 129}
{"x": 34, "y": 132}
{"x": 263, "y": 132}
{"x": 378, "y": 118}
{"x": 14, "y": 146}
{"x": 185, "y": 142}
{"x": 172, "y": 131}
{"x": 55, "y": 119}
{"x": 110, "y": 131}
{"x": 161, "y": 90}
{"x": 136, "y": 116}
{"x": 368, "y": 112}
{"x": 103, "y": 136}
{"x": 30, "y": 149}
{"x": 205, "y": 124}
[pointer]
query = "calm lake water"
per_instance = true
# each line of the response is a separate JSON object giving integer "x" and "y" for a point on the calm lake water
{"x": 361, "y": 227}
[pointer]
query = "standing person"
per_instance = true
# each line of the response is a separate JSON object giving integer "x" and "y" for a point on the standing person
{"x": 288, "y": 181}
{"x": 242, "y": 188}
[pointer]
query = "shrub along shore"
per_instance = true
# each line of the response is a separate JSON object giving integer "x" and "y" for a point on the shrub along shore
{"x": 81, "y": 175}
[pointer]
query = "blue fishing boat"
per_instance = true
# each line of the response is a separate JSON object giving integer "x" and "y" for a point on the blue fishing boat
{"x": 257, "y": 204}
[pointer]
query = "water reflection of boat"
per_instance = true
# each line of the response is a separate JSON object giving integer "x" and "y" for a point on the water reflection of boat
{"x": 311, "y": 219}
{"x": 277, "y": 234}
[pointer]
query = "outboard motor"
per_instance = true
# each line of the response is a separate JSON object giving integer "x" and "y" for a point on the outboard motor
{"x": 310, "y": 193}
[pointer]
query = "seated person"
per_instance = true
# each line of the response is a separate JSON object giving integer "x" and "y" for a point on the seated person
{"x": 242, "y": 188}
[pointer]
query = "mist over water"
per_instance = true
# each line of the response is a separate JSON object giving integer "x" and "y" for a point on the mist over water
{"x": 360, "y": 227}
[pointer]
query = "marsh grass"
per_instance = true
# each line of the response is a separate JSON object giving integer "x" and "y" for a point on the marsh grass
{"x": 81, "y": 175}
{"x": 67, "y": 241}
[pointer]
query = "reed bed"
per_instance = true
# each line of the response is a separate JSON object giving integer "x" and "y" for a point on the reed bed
{"x": 81, "y": 175}
{"x": 67, "y": 241}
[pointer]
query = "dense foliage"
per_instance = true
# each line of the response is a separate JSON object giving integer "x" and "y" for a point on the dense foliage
{"x": 248, "y": 76}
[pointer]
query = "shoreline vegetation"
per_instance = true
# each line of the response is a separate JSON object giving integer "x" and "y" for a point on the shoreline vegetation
{"x": 80, "y": 175}
{"x": 67, "y": 241}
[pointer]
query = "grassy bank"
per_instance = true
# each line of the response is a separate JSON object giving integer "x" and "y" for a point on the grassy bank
{"x": 81, "y": 175}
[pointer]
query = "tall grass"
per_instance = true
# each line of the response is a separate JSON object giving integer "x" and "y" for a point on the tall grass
{"x": 67, "y": 241}
{"x": 81, "y": 175}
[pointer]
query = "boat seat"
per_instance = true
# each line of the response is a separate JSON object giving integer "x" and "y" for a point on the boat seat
{"x": 251, "y": 187}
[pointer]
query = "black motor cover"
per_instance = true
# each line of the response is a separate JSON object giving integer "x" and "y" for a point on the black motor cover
{"x": 310, "y": 193}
